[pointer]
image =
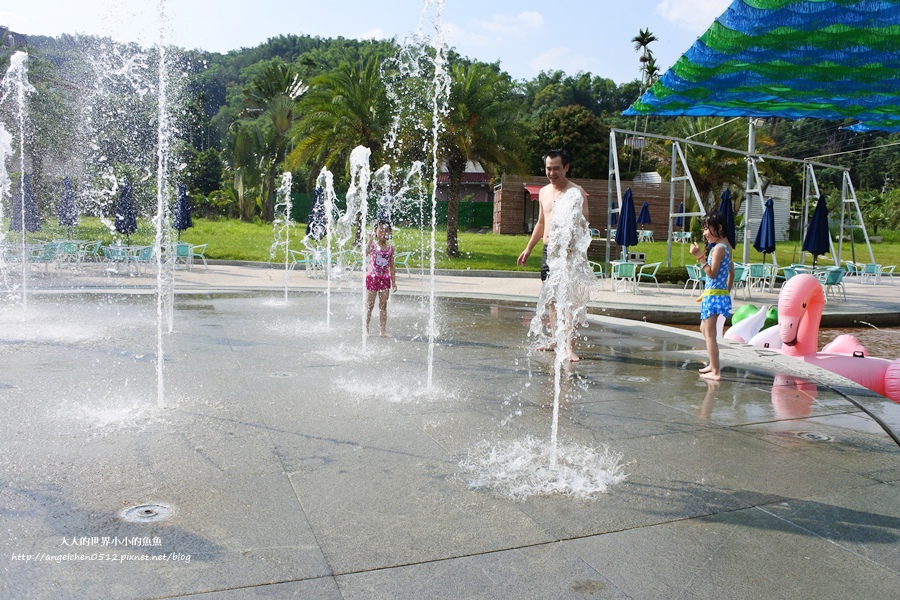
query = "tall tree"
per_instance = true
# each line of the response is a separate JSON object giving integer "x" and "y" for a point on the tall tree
{"x": 642, "y": 43}
{"x": 247, "y": 142}
{"x": 273, "y": 96}
{"x": 581, "y": 133}
{"x": 343, "y": 109}
{"x": 480, "y": 126}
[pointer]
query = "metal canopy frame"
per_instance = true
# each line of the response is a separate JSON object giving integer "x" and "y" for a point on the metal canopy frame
{"x": 752, "y": 186}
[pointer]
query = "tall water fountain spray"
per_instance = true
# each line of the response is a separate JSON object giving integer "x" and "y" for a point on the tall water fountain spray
{"x": 384, "y": 200}
{"x": 282, "y": 225}
{"x": 422, "y": 57}
{"x": 439, "y": 106}
{"x": 5, "y": 187}
{"x": 412, "y": 192}
{"x": 163, "y": 246}
{"x": 357, "y": 209}
{"x": 325, "y": 182}
{"x": 566, "y": 291}
{"x": 16, "y": 82}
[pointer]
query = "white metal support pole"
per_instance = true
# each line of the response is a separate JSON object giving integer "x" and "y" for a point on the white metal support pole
{"x": 751, "y": 149}
{"x": 671, "y": 210}
{"x": 613, "y": 176}
{"x": 848, "y": 196}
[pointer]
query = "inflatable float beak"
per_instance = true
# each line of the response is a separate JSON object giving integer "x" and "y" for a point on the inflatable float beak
{"x": 789, "y": 327}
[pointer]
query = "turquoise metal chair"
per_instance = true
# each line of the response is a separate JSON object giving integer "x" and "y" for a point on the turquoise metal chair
{"x": 623, "y": 274}
{"x": 402, "y": 260}
{"x": 183, "y": 254}
{"x": 90, "y": 251}
{"x": 198, "y": 252}
{"x": 695, "y": 279}
{"x": 144, "y": 257}
{"x": 68, "y": 252}
{"x": 742, "y": 280}
{"x": 759, "y": 276}
{"x": 870, "y": 273}
{"x": 832, "y": 280}
{"x": 46, "y": 255}
{"x": 648, "y": 271}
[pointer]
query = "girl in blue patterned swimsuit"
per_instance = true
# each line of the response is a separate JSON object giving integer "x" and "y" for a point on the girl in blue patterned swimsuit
{"x": 716, "y": 298}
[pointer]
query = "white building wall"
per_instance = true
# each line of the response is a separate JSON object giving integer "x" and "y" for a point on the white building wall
{"x": 781, "y": 195}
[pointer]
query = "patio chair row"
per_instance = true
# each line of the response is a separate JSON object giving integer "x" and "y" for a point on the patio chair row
{"x": 624, "y": 275}
{"x": 315, "y": 260}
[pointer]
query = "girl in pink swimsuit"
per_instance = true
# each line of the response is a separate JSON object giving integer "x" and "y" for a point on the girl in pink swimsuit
{"x": 380, "y": 278}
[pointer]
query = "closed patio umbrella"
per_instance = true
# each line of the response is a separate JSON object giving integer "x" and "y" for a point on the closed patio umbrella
{"x": 32, "y": 221}
{"x": 644, "y": 216}
{"x": 316, "y": 227}
{"x": 626, "y": 232}
{"x": 126, "y": 213}
{"x": 727, "y": 208}
{"x": 765, "y": 235}
{"x": 68, "y": 212}
{"x": 679, "y": 221}
{"x": 181, "y": 220}
{"x": 818, "y": 238}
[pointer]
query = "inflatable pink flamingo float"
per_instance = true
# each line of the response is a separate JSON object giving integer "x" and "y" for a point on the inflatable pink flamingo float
{"x": 800, "y": 305}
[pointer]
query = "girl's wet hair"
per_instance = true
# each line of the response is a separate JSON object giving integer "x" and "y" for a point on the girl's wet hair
{"x": 383, "y": 224}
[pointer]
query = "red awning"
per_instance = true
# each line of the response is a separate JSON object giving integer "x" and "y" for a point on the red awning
{"x": 534, "y": 190}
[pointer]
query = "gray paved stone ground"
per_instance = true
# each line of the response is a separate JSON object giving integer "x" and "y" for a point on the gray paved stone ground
{"x": 298, "y": 465}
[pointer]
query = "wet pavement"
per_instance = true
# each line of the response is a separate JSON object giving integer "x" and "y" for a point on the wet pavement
{"x": 287, "y": 459}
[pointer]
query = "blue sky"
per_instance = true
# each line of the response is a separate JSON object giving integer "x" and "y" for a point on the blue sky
{"x": 525, "y": 36}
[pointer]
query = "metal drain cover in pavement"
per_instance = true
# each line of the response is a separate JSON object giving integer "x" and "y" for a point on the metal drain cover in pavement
{"x": 146, "y": 513}
{"x": 813, "y": 436}
{"x": 283, "y": 375}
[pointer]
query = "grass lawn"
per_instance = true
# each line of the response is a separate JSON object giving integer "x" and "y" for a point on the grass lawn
{"x": 236, "y": 240}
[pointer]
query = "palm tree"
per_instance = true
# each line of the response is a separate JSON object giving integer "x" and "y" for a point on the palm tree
{"x": 480, "y": 126}
{"x": 273, "y": 95}
{"x": 344, "y": 109}
{"x": 642, "y": 43}
{"x": 247, "y": 160}
{"x": 649, "y": 71}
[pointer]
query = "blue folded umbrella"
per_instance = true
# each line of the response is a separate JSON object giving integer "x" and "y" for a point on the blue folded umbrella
{"x": 818, "y": 238}
{"x": 316, "y": 226}
{"x": 644, "y": 216}
{"x": 68, "y": 212}
{"x": 182, "y": 217}
{"x": 126, "y": 212}
{"x": 765, "y": 235}
{"x": 626, "y": 232}
{"x": 30, "y": 221}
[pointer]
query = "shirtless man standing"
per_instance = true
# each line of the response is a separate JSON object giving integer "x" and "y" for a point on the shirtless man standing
{"x": 556, "y": 165}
